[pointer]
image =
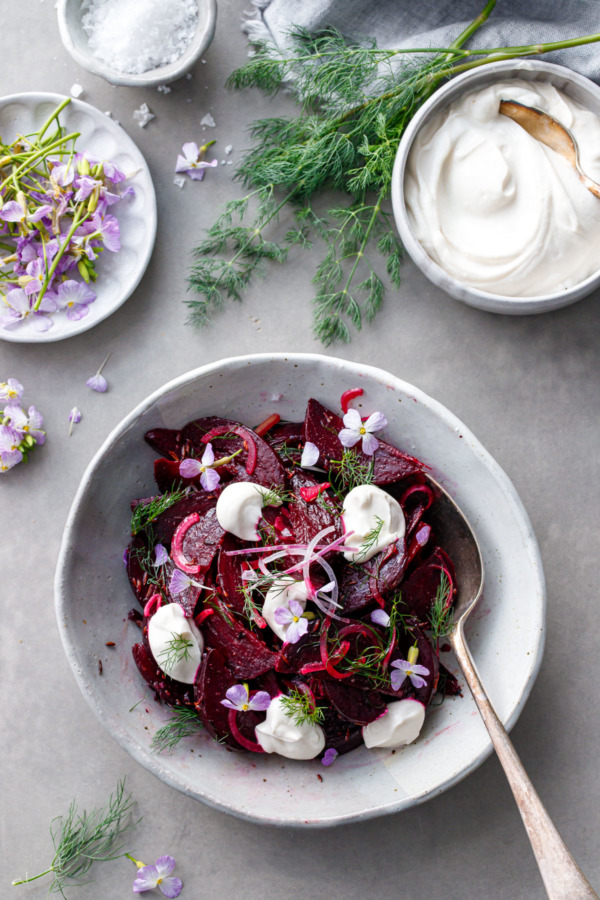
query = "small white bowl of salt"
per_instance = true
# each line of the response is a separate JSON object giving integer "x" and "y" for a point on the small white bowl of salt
{"x": 137, "y": 42}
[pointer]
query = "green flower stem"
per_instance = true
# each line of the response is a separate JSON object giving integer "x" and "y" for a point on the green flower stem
{"x": 52, "y": 117}
{"x": 77, "y": 221}
{"x": 33, "y": 877}
{"x": 35, "y": 155}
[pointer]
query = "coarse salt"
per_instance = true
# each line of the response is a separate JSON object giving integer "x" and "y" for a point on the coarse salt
{"x": 135, "y": 36}
{"x": 143, "y": 115}
{"x": 208, "y": 120}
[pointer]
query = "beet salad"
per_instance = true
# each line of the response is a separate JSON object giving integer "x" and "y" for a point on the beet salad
{"x": 292, "y": 594}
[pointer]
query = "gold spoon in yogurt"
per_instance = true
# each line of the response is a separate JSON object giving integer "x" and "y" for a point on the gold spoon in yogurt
{"x": 549, "y": 131}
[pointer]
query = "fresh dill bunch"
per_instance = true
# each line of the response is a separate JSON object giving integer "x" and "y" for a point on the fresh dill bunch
{"x": 175, "y": 651}
{"x": 370, "y": 540}
{"x": 355, "y": 101}
{"x": 184, "y": 722}
{"x": 300, "y": 706}
{"x": 144, "y": 513}
{"x": 349, "y": 472}
{"x": 82, "y": 838}
{"x": 275, "y": 496}
{"x": 441, "y": 615}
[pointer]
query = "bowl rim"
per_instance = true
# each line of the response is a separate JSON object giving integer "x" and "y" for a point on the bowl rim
{"x": 162, "y": 75}
{"x": 500, "y": 303}
{"x": 133, "y": 747}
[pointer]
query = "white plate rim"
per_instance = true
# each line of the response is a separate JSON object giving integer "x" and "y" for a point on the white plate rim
{"x": 152, "y": 763}
{"x": 82, "y": 325}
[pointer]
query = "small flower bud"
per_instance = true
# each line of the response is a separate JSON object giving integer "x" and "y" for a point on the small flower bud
{"x": 93, "y": 201}
{"x": 413, "y": 655}
{"x": 83, "y": 271}
{"x": 83, "y": 167}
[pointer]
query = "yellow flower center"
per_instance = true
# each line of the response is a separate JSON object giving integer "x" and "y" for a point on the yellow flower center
{"x": 245, "y": 707}
{"x": 296, "y": 618}
{"x": 363, "y": 430}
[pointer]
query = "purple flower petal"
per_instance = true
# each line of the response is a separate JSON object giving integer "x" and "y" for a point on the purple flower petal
{"x": 348, "y": 438}
{"x": 260, "y": 701}
{"x": 9, "y": 458}
{"x": 283, "y": 616}
{"x": 160, "y": 555}
{"x": 376, "y": 422}
{"x": 353, "y": 420}
{"x": 236, "y": 697}
{"x": 189, "y": 468}
{"x": 171, "y": 886}
{"x": 295, "y": 608}
{"x": 295, "y": 630}
{"x": 97, "y": 383}
{"x": 380, "y": 617}
{"x": 179, "y": 582}
{"x": 310, "y": 455}
{"x": 329, "y": 756}
{"x": 164, "y": 866}
{"x": 12, "y": 212}
{"x": 369, "y": 444}
{"x": 75, "y": 416}
{"x": 209, "y": 479}
{"x": 11, "y": 390}
{"x": 397, "y": 678}
{"x": 208, "y": 457}
{"x": 417, "y": 681}
{"x": 145, "y": 880}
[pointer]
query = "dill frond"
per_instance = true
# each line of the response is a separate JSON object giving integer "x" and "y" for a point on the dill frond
{"x": 300, "y": 707}
{"x": 184, "y": 722}
{"x": 349, "y": 472}
{"x": 145, "y": 513}
{"x": 441, "y": 615}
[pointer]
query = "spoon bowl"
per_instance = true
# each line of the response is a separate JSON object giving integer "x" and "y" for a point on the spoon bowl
{"x": 562, "y": 877}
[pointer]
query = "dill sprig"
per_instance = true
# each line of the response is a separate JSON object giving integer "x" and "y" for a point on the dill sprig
{"x": 81, "y": 839}
{"x": 184, "y": 722}
{"x": 175, "y": 651}
{"x": 275, "y": 496}
{"x": 356, "y": 101}
{"x": 349, "y": 472}
{"x": 441, "y": 613}
{"x": 144, "y": 513}
{"x": 370, "y": 540}
{"x": 300, "y": 706}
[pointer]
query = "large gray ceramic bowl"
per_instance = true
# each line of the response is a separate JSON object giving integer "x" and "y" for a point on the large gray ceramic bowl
{"x": 573, "y": 85}
{"x": 75, "y": 41}
{"x": 93, "y": 597}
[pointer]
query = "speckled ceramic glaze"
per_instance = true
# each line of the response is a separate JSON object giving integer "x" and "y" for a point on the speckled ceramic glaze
{"x": 75, "y": 41}
{"x": 118, "y": 273}
{"x": 576, "y": 86}
{"x": 93, "y": 597}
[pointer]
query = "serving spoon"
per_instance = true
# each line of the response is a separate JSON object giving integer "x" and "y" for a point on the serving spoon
{"x": 563, "y": 879}
{"x": 549, "y": 131}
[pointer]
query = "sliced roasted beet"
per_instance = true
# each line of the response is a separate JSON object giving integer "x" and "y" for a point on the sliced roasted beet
{"x": 448, "y": 683}
{"x": 138, "y": 577}
{"x": 229, "y": 573}
{"x": 165, "y": 441}
{"x": 353, "y": 704}
{"x": 363, "y": 584}
{"x": 268, "y": 470}
{"x": 167, "y": 477}
{"x": 305, "y": 652}
{"x": 420, "y": 588}
{"x": 187, "y": 599}
{"x": 321, "y": 427}
{"x": 247, "y": 656}
{"x": 340, "y": 734}
{"x": 175, "y": 693}
{"x": 427, "y": 658}
{"x": 202, "y": 540}
{"x": 165, "y": 525}
{"x": 291, "y": 435}
{"x": 213, "y": 680}
{"x": 308, "y": 518}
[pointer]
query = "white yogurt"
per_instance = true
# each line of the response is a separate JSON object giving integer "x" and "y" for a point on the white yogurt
{"x": 400, "y": 725}
{"x": 281, "y": 592}
{"x": 175, "y": 642}
{"x": 375, "y": 518}
{"x": 239, "y": 509}
{"x": 497, "y": 209}
{"x": 279, "y": 734}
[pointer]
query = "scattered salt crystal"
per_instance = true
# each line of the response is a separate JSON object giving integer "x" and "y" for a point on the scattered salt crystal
{"x": 135, "y": 36}
{"x": 228, "y": 149}
{"x": 143, "y": 115}
{"x": 164, "y": 89}
{"x": 203, "y": 61}
{"x": 229, "y": 162}
{"x": 189, "y": 76}
{"x": 222, "y": 162}
{"x": 108, "y": 113}
{"x": 76, "y": 90}
{"x": 179, "y": 180}
{"x": 208, "y": 120}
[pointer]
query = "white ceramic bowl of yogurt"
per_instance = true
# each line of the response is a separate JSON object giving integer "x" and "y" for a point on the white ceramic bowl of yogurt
{"x": 455, "y": 227}
{"x": 93, "y": 596}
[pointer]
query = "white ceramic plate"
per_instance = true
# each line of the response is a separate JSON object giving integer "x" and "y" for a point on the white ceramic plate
{"x": 93, "y": 597}
{"x": 118, "y": 273}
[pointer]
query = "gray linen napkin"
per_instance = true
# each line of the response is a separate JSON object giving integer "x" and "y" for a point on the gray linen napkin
{"x": 435, "y": 23}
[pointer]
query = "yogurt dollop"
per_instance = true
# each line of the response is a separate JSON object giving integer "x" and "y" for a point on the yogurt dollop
{"x": 175, "y": 642}
{"x": 400, "y": 725}
{"x": 281, "y": 592}
{"x": 497, "y": 209}
{"x": 280, "y": 734}
{"x": 239, "y": 508}
{"x": 372, "y": 515}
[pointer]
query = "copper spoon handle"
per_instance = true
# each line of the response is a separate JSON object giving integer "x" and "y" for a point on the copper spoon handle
{"x": 563, "y": 879}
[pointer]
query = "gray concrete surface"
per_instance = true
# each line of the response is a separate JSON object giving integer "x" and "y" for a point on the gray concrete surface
{"x": 527, "y": 387}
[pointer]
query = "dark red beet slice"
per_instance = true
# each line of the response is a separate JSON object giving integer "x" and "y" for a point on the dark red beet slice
{"x": 420, "y": 588}
{"x": 305, "y": 652}
{"x": 138, "y": 577}
{"x": 359, "y": 584}
{"x": 167, "y": 477}
{"x": 165, "y": 525}
{"x": 247, "y": 656}
{"x": 308, "y": 518}
{"x": 165, "y": 441}
{"x": 202, "y": 540}
{"x": 289, "y": 435}
{"x": 268, "y": 470}
{"x": 229, "y": 573}
{"x": 213, "y": 680}
{"x": 187, "y": 599}
{"x": 321, "y": 427}
{"x": 448, "y": 684}
{"x": 353, "y": 704}
{"x": 340, "y": 734}
{"x": 175, "y": 693}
